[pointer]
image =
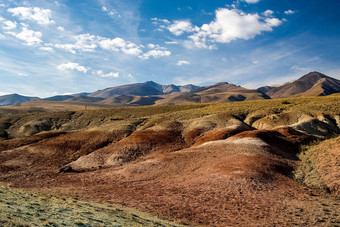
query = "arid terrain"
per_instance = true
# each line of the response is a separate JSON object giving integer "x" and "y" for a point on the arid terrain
{"x": 251, "y": 163}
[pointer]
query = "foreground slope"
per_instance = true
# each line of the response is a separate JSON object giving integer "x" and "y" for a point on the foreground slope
{"x": 221, "y": 164}
{"x": 21, "y": 208}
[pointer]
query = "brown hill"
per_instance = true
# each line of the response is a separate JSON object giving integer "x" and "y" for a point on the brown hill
{"x": 311, "y": 84}
{"x": 220, "y": 92}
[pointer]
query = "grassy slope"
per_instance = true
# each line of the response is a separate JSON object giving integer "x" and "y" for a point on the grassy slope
{"x": 20, "y": 208}
{"x": 320, "y": 165}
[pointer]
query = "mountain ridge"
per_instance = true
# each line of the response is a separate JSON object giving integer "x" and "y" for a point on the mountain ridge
{"x": 152, "y": 93}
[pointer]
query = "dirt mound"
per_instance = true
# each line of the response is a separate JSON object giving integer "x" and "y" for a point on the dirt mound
{"x": 283, "y": 141}
{"x": 219, "y": 134}
{"x": 138, "y": 144}
{"x": 321, "y": 127}
{"x": 49, "y": 152}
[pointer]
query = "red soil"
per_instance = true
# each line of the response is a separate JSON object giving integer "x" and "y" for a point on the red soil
{"x": 218, "y": 183}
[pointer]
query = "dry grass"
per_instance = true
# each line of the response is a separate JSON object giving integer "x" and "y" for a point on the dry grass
{"x": 21, "y": 208}
{"x": 320, "y": 165}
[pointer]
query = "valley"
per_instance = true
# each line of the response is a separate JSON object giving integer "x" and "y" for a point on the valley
{"x": 259, "y": 161}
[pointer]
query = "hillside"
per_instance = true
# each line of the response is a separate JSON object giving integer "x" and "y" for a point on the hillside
{"x": 142, "y": 89}
{"x": 311, "y": 84}
{"x": 13, "y": 99}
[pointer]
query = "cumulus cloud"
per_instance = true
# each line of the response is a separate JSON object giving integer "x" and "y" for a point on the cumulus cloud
{"x": 268, "y": 13}
{"x": 107, "y": 75}
{"x": 48, "y": 49}
{"x": 288, "y": 12}
{"x": 9, "y": 25}
{"x": 181, "y": 26}
{"x": 155, "y": 54}
{"x": 156, "y": 20}
{"x": 252, "y": 1}
{"x": 32, "y": 38}
{"x": 273, "y": 22}
{"x": 72, "y": 66}
{"x": 84, "y": 42}
{"x": 119, "y": 44}
{"x": 89, "y": 43}
{"x": 232, "y": 24}
{"x": 183, "y": 62}
{"x": 111, "y": 74}
{"x": 39, "y": 15}
{"x": 170, "y": 42}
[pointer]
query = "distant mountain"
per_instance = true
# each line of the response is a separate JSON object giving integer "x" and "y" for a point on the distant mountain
{"x": 59, "y": 98}
{"x": 142, "y": 89}
{"x": 67, "y": 97}
{"x": 220, "y": 92}
{"x": 151, "y": 93}
{"x": 13, "y": 99}
{"x": 311, "y": 84}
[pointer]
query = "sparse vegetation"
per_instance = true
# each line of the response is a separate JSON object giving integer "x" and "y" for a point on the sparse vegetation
{"x": 319, "y": 166}
{"x": 22, "y": 208}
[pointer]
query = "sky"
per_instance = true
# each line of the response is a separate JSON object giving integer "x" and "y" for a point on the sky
{"x": 55, "y": 47}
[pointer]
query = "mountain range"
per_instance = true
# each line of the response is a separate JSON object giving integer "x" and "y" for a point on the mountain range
{"x": 151, "y": 93}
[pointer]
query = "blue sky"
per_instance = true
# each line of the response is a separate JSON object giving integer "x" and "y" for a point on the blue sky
{"x": 69, "y": 46}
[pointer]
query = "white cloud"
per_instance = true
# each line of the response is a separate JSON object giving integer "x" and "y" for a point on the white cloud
{"x": 170, "y": 42}
{"x": 60, "y": 28}
{"x": 111, "y": 75}
{"x": 252, "y": 1}
{"x": 104, "y": 9}
{"x": 268, "y": 13}
{"x": 112, "y": 44}
{"x": 99, "y": 72}
{"x": 288, "y": 12}
{"x": 273, "y": 22}
{"x": 157, "y": 21}
{"x": 23, "y": 74}
{"x": 232, "y": 24}
{"x": 150, "y": 45}
{"x": 39, "y": 15}
{"x": 130, "y": 76}
{"x": 48, "y": 49}
{"x": 119, "y": 44}
{"x": 84, "y": 42}
{"x": 155, "y": 54}
{"x": 107, "y": 75}
{"x": 182, "y": 62}
{"x": 9, "y": 25}
{"x": 180, "y": 26}
{"x": 32, "y": 38}
{"x": 2, "y": 36}
{"x": 72, "y": 66}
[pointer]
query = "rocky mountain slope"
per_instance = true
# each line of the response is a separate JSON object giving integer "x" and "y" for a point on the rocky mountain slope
{"x": 311, "y": 84}
{"x": 151, "y": 93}
{"x": 142, "y": 89}
{"x": 13, "y": 99}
